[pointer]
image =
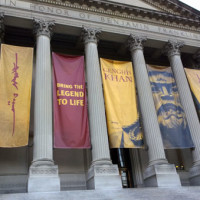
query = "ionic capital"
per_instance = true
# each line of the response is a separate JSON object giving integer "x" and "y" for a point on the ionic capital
{"x": 90, "y": 35}
{"x": 42, "y": 27}
{"x": 2, "y": 27}
{"x": 136, "y": 42}
{"x": 173, "y": 47}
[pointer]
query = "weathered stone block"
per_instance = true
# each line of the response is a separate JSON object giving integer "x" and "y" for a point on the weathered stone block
{"x": 164, "y": 175}
{"x": 104, "y": 177}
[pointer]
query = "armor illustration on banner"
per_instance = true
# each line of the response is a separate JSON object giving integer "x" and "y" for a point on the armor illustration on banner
{"x": 71, "y": 128}
{"x": 15, "y": 95}
{"x": 171, "y": 117}
{"x": 193, "y": 76}
{"x": 120, "y": 101}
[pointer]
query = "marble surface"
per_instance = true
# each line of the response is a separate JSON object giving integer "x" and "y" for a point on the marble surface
{"x": 183, "y": 193}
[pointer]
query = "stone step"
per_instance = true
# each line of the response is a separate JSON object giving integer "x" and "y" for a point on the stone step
{"x": 180, "y": 193}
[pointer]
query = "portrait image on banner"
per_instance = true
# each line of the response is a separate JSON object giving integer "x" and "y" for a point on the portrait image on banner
{"x": 71, "y": 128}
{"x": 120, "y": 101}
{"x": 193, "y": 76}
{"x": 15, "y": 95}
{"x": 171, "y": 117}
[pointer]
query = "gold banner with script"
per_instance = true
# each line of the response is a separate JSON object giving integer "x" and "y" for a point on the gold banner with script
{"x": 120, "y": 101}
{"x": 193, "y": 76}
{"x": 15, "y": 95}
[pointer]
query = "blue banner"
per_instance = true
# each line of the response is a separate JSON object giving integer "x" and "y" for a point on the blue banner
{"x": 171, "y": 117}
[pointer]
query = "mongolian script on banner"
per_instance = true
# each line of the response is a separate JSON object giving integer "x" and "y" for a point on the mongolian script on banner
{"x": 193, "y": 76}
{"x": 71, "y": 128}
{"x": 171, "y": 116}
{"x": 120, "y": 101}
{"x": 15, "y": 94}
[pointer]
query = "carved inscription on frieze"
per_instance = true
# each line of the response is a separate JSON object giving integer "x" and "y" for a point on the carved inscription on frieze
{"x": 98, "y": 18}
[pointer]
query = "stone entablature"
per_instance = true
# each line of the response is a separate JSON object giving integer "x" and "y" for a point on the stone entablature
{"x": 175, "y": 7}
{"x": 172, "y": 15}
{"x": 77, "y": 18}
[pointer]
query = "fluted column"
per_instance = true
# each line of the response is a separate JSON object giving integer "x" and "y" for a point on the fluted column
{"x": 157, "y": 159}
{"x": 101, "y": 162}
{"x": 43, "y": 174}
{"x": 43, "y": 149}
{"x": 173, "y": 51}
{"x": 97, "y": 118}
{"x": 149, "y": 117}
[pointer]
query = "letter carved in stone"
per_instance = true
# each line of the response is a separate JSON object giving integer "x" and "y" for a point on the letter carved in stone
{"x": 106, "y": 170}
{"x": 44, "y": 171}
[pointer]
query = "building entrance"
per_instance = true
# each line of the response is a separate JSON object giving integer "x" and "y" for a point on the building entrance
{"x": 121, "y": 157}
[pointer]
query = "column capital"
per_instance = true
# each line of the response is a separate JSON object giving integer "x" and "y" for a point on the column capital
{"x": 43, "y": 27}
{"x": 2, "y": 27}
{"x": 173, "y": 47}
{"x": 90, "y": 34}
{"x": 136, "y": 42}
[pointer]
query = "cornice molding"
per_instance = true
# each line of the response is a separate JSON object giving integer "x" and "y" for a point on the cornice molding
{"x": 131, "y": 12}
{"x": 175, "y": 7}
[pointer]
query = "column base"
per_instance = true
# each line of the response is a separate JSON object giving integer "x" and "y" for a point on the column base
{"x": 104, "y": 177}
{"x": 163, "y": 175}
{"x": 195, "y": 175}
{"x": 43, "y": 177}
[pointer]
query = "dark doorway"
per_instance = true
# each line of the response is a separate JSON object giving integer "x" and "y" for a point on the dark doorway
{"x": 121, "y": 157}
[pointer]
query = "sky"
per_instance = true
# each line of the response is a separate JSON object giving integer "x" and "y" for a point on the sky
{"x": 193, "y": 3}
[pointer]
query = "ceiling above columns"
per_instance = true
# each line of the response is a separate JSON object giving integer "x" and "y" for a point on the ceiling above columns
{"x": 116, "y": 22}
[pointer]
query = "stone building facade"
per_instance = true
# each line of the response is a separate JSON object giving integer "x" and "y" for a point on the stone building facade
{"x": 160, "y": 32}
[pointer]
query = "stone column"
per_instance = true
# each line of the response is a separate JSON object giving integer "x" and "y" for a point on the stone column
{"x": 158, "y": 172}
{"x": 43, "y": 174}
{"x": 102, "y": 173}
{"x": 2, "y": 29}
{"x": 173, "y": 49}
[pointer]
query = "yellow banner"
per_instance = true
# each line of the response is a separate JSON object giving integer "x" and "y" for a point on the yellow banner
{"x": 193, "y": 76}
{"x": 15, "y": 95}
{"x": 120, "y": 101}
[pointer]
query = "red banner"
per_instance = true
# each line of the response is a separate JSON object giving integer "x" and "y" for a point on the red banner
{"x": 71, "y": 128}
